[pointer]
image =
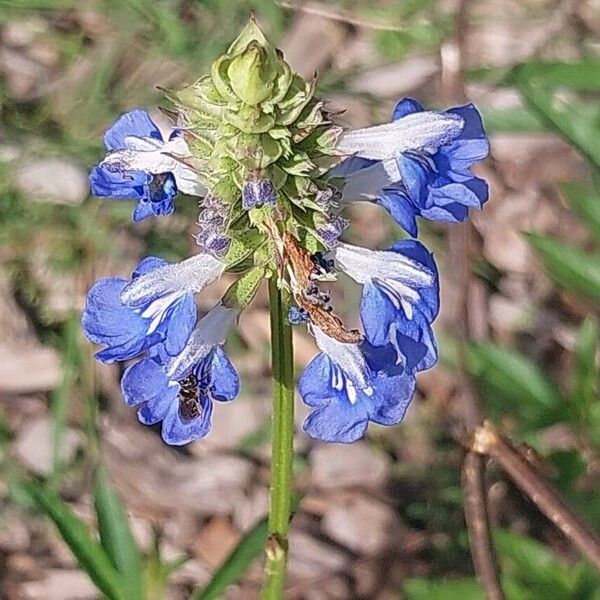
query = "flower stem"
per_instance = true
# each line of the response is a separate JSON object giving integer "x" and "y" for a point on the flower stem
{"x": 282, "y": 455}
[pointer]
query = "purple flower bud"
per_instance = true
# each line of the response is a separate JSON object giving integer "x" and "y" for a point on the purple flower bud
{"x": 213, "y": 240}
{"x": 328, "y": 197}
{"x": 257, "y": 193}
{"x": 329, "y": 231}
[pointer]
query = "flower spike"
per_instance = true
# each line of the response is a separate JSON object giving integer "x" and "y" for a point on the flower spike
{"x": 275, "y": 175}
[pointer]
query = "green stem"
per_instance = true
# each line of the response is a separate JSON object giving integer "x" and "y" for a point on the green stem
{"x": 282, "y": 455}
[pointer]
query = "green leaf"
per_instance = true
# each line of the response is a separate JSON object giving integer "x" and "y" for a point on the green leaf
{"x": 570, "y": 267}
{"x": 586, "y": 374}
{"x": 237, "y": 563}
{"x": 511, "y": 120}
{"x": 89, "y": 553}
{"x": 428, "y": 589}
{"x": 60, "y": 396}
{"x": 533, "y": 564}
{"x": 583, "y": 75}
{"x": 575, "y": 121}
{"x": 512, "y": 375}
{"x": 116, "y": 536}
{"x": 586, "y": 203}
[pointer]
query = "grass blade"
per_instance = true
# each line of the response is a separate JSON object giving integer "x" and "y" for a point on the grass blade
{"x": 60, "y": 397}
{"x": 574, "y": 269}
{"x": 237, "y": 563}
{"x": 512, "y": 374}
{"x": 89, "y": 553}
{"x": 586, "y": 203}
{"x": 116, "y": 536}
{"x": 573, "y": 121}
{"x": 585, "y": 373}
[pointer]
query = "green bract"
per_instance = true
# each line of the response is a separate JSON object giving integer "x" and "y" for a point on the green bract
{"x": 253, "y": 119}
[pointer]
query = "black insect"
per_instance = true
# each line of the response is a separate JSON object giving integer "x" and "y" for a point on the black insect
{"x": 189, "y": 402}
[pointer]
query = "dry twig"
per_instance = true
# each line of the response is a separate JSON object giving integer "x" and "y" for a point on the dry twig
{"x": 478, "y": 524}
{"x": 342, "y": 16}
{"x": 471, "y": 417}
{"x": 488, "y": 442}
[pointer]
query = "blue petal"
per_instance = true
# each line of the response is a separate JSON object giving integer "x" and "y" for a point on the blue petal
{"x": 452, "y": 213}
{"x": 396, "y": 394}
{"x": 180, "y": 322}
{"x": 406, "y": 106}
{"x": 314, "y": 384}
{"x": 147, "y": 264}
{"x": 106, "y": 320}
{"x": 377, "y": 313}
{"x": 337, "y": 421}
{"x": 430, "y": 295}
{"x": 401, "y": 210}
{"x": 145, "y": 382}
{"x": 142, "y": 211}
{"x": 177, "y": 431}
{"x": 114, "y": 184}
{"x": 415, "y": 178}
{"x": 416, "y": 343}
{"x": 461, "y": 154}
{"x": 454, "y": 193}
{"x": 222, "y": 377}
{"x": 133, "y": 123}
{"x": 473, "y": 127}
{"x": 479, "y": 187}
{"x": 351, "y": 165}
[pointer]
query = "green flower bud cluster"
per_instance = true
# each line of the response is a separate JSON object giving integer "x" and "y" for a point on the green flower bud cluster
{"x": 252, "y": 119}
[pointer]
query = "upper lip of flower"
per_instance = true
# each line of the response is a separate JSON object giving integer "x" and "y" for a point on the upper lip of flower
{"x": 418, "y": 131}
{"x": 210, "y": 331}
{"x": 190, "y": 275}
{"x": 363, "y": 264}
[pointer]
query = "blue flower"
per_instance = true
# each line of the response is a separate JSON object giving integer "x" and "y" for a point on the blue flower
{"x": 426, "y": 171}
{"x": 129, "y": 330}
{"x": 141, "y": 165}
{"x": 180, "y": 391}
{"x": 155, "y": 307}
{"x": 400, "y": 298}
{"x": 350, "y": 385}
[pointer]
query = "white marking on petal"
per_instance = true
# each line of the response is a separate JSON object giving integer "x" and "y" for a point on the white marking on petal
{"x": 154, "y": 156}
{"x": 156, "y": 310}
{"x": 418, "y": 131}
{"x": 408, "y": 308}
{"x": 190, "y": 275}
{"x": 393, "y": 333}
{"x": 399, "y": 294}
{"x": 362, "y": 264}
{"x": 142, "y": 144}
{"x": 351, "y": 391}
{"x": 210, "y": 331}
{"x": 351, "y": 362}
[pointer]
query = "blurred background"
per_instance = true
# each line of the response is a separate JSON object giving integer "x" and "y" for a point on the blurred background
{"x": 381, "y": 519}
